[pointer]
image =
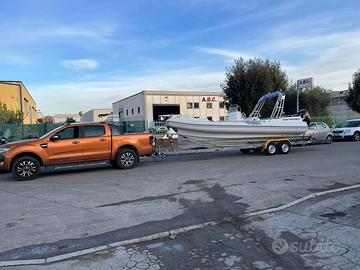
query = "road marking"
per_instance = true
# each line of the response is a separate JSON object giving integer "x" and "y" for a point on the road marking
{"x": 169, "y": 233}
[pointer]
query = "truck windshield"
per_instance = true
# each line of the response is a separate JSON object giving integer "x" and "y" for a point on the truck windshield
{"x": 350, "y": 124}
{"x": 51, "y": 131}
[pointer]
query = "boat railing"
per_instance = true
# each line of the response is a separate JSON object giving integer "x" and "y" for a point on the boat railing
{"x": 278, "y": 107}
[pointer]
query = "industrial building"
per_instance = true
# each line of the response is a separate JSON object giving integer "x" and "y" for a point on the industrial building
{"x": 338, "y": 105}
{"x": 17, "y": 98}
{"x": 150, "y": 105}
{"x": 96, "y": 115}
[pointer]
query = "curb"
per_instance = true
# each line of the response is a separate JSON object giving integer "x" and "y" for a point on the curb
{"x": 170, "y": 233}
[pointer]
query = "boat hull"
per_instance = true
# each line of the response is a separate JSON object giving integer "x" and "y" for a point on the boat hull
{"x": 237, "y": 133}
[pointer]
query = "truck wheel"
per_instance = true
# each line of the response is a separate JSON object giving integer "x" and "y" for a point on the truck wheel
{"x": 357, "y": 136}
{"x": 26, "y": 168}
{"x": 271, "y": 149}
{"x": 245, "y": 150}
{"x": 284, "y": 147}
{"x": 126, "y": 158}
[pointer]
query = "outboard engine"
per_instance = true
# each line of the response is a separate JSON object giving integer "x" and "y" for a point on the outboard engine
{"x": 305, "y": 116}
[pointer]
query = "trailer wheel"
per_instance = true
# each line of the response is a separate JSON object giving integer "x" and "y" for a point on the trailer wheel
{"x": 245, "y": 150}
{"x": 284, "y": 147}
{"x": 271, "y": 149}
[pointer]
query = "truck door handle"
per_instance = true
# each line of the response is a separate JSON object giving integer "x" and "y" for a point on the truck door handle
{"x": 102, "y": 140}
{"x": 75, "y": 142}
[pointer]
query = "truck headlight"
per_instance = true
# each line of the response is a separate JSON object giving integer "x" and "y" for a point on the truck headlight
{"x": 4, "y": 150}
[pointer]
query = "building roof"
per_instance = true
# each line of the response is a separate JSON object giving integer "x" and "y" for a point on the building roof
{"x": 174, "y": 93}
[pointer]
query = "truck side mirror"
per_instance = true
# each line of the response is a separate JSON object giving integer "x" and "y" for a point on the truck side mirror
{"x": 55, "y": 138}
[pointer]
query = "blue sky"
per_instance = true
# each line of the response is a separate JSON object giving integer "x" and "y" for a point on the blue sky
{"x": 78, "y": 55}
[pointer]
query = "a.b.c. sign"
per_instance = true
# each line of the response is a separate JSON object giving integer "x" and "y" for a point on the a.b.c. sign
{"x": 208, "y": 99}
{"x": 305, "y": 83}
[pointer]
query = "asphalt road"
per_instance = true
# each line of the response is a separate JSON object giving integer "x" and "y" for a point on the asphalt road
{"x": 317, "y": 234}
{"x": 67, "y": 211}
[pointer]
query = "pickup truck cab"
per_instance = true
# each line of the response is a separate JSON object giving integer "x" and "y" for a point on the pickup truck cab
{"x": 74, "y": 143}
{"x": 349, "y": 129}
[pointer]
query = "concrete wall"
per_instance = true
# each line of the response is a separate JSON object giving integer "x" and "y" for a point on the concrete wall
{"x": 338, "y": 104}
{"x": 130, "y": 107}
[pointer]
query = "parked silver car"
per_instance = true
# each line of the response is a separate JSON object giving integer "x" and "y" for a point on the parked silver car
{"x": 319, "y": 132}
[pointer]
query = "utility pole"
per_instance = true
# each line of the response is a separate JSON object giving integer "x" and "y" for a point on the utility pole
{"x": 297, "y": 96}
{"x": 300, "y": 85}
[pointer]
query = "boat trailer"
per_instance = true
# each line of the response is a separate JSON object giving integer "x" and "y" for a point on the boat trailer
{"x": 163, "y": 147}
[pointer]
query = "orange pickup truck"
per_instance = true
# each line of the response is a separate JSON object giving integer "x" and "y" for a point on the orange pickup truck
{"x": 74, "y": 143}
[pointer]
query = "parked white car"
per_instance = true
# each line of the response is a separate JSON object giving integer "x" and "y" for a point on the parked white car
{"x": 350, "y": 129}
{"x": 319, "y": 132}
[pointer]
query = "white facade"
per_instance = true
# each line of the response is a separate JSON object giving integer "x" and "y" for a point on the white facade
{"x": 148, "y": 105}
{"x": 96, "y": 115}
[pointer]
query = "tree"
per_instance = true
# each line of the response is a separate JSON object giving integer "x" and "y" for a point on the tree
{"x": 316, "y": 100}
{"x": 247, "y": 80}
{"x": 353, "y": 96}
{"x": 8, "y": 116}
{"x": 70, "y": 120}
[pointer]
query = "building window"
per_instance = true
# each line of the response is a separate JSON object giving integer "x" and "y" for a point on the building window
{"x": 196, "y": 117}
{"x": 189, "y": 105}
{"x": 127, "y": 112}
{"x": 222, "y": 118}
{"x": 132, "y": 111}
{"x": 209, "y": 118}
{"x": 196, "y": 105}
{"x": 209, "y": 105}
{"x": 138, "y": 110}
{"x": 222, "y": 105}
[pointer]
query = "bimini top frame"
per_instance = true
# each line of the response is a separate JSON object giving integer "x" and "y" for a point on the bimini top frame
{"x": 278, "y": 108}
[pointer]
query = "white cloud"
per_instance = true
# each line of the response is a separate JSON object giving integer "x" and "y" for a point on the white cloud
{"x": 82, "y": 96}
{"x": 80, "y": 64}
{"x": 331, "y": 58}
{"x": 230, "y": 54}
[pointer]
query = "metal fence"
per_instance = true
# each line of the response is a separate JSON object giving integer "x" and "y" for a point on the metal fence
{"x": 21, "y": 132}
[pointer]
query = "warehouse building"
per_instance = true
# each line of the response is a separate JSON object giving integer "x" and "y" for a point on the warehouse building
{"x": 151, "y": 105}
{"x": 338, "y": 105}
{"x": 96, "y": 115}
{"x": 17, "y": 98}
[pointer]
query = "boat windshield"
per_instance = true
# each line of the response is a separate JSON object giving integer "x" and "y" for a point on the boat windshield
{"x": 350, "y": 124}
